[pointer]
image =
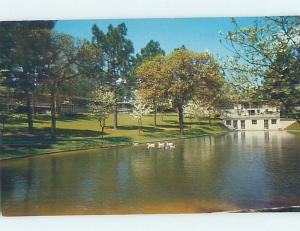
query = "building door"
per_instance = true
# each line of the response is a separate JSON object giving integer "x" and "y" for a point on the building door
{"x": 266, "y": 124}
{"x": 235, "y": 125}
{"x": 242, "y": 124}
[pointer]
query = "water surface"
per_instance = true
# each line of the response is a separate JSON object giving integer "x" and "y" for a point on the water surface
{"x": 238, "y": 170}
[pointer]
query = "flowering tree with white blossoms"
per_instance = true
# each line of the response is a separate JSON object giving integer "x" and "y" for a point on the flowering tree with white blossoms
{"x": 199, "y": 108}
{"x": 140, "y": 109}
{"x": 269, "y": 51}
{"x": 102, "y": 105}
{"x": 192, "y": 110}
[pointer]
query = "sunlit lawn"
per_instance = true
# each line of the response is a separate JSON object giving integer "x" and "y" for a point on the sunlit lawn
{"x": 83, "y": 131}
{"x": 294, "y": 127}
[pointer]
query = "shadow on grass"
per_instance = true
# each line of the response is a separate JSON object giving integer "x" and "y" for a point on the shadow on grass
{"x": 170, "y": 121}
{"x": 43, "y": 118}
{"x": 44, "y": 133}
{"x": 136, "y": 128}
{"x": 203, "y": 130}
{"x": 71, "y": 118}
{"x": 118, "y": 139}
{"x": 152, "y": 129}
{"x": 209, "y": 128}
{"x": 124, "y": 127}
{"x": 167, "y": 126}
{"x": 37, "y": 145}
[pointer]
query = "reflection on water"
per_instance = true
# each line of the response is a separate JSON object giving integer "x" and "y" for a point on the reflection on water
{"x": 238, "y": 170}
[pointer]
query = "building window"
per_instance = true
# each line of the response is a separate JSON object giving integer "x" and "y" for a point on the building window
{"x": 228, "y": 122}
{"x": 254, "y": 122}
{"x": 242, "y": 124}
{"x": 235, "y": 124}
{"x": 274, "y": 121}
{"x": 251, "y": 112}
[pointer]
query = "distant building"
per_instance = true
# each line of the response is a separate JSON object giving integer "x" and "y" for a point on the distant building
{"x": 42, "y": 104}
{"x": 253, "y": 116}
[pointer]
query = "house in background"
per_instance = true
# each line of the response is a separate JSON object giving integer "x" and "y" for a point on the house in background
{"x": 253, "y": 116}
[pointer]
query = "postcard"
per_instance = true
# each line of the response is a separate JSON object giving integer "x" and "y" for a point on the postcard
{"x": 150, "y": 116}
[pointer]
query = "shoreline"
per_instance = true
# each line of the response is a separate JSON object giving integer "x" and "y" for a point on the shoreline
{"x": 294, "y": 208}
{"x": 110, "y": 146}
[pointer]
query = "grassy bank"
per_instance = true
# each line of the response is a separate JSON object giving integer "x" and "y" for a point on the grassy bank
{"x": 294, "y": 127}
{"x": 82, "y": 131}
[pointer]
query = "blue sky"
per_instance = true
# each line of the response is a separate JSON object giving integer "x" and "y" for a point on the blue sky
{"x": 195, "y": 33}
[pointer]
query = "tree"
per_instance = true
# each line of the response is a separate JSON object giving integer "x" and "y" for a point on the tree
{"x": 186, "y": 73}
{"x": 140, "y": 109}
{"x": 20, "y": 56}
{"x": 102, "y": 106}
{"x": 269, "y": 50}
{"x": 65, "y": 60}
{"x": 286, "y": 90}
{"x": 152, "y": 84}
{"x": 151, "y": 50}
{"x": 117, "y": 61}
{"x": 241, "y": 84}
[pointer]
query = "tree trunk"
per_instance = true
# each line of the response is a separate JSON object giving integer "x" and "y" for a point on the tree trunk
{"x": 140, "y": 125}
{"x": 33, "y": 103}
{"x": 102, "y": 132}
{"x": 53, "y": 115}
{"x": 29, "y": 112}
{"x": 8, "y": 99}
{"x": 1, "y": 140}
{"x": 102, "y": 128}
{"x": 155, "y": 113}
{"x": 180, "y": 115}
{"x": 2, "y": 133}
{"x": 116, "y": 117}
{"x": 57, "y": 103}
{"x": 209, "y": 116}
{"x": 116, "y": 105}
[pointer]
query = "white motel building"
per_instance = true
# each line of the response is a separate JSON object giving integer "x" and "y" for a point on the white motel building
{"x": 254, "y": 116}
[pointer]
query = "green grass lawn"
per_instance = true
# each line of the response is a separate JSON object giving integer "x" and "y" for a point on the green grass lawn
{"x": 294, "y": 127}
{"x": 83, "y": 131}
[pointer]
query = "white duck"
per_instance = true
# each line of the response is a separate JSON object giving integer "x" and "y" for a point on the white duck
{"x": 161, "y": 145}
{"x": 169, "y": 145}
{"x": 150, "y": 145}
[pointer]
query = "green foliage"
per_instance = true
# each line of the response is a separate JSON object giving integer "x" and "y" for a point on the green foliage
{"x": 117, "y": 61}
{"x": 151, "y": 82}
{"x": 151, "y": 50}
{"x": 21, "y": 48}
{"x": 180, "y": 76}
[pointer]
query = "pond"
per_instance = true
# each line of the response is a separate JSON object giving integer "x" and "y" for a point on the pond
{"x": 238, "y": 170}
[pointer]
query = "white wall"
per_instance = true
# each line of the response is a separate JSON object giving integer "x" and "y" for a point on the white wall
{"x": 258, "y": 126}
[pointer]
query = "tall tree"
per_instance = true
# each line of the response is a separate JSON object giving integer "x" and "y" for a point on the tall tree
{"x": 20, "y": 56}
{"x": 65, "y": 60}
{"x": 151, "y": 50}
{"x": 269, "y": 49}
{"x": 118, "y": 52}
